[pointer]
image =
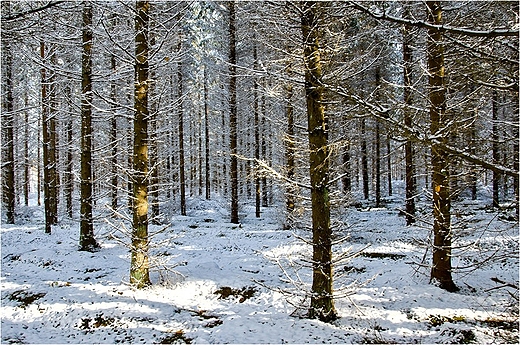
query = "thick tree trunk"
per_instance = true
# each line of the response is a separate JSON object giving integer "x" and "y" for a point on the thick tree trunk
{"x": 8, "y": 179}
{"x": 86, "y": 237}
{"x": 408, "y": 148}
{"x": 139, "y": 266}
{"x": 233, "y": 113}
{"x": 322, "y": 302}
{"x": 441, "y": 270}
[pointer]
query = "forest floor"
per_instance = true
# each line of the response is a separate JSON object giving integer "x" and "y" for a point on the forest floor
{"x": 216, "y": 282}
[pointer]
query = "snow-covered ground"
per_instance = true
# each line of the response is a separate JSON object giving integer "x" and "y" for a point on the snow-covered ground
{"x": 216, "y": 282}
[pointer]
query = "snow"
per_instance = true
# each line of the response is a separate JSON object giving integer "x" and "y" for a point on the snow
{"x": 53, "y": 293}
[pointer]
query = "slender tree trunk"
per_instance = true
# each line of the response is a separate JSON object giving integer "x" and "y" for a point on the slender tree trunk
{"x": 48, "y": 150}
{"x": 389, "y": 165}
{"x": 408, "y": 148}
{"x": 54, "y": 182}
{"x": 290, "y": 153}
{"x": 113, "y": 135}
{"x": 347, "y": 179}
{"x": 364, "y": 159}
{"x": 139, "y": 266}
{"x": 258, "y": 190}
{"x": 495, "y": 149}
{"x": 27, "y": 164}
{"x": 8, "y": 179}
{"x": 86, "y": 237}
{"x": 233, "y": 113}
{"x": 378, "y": 147}
{"x": 199, "y": 158}
{"x": 154, "y": 153}
{"x": 180, "y": 119}
{"x": 441, "y": 270}
{"x": 69, "y": 172}
{"x": 206, "y": 136}
{"x": 322, "y": 302}
{"x": 263, "y": 149}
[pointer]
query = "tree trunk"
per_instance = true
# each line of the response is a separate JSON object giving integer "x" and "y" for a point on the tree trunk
{"x": 206, "y": 136}
{"x": 322, "y": 302}
{"x": 48, "y": 151}
{"x": 113, "y": 135}
{"x": 364, "y": 160}
{"x": 495, "y": 149}
{"x": 233, "y": 113}
{"x": 139, "y": 266}
{"x": 258, "y": 190}
{"x": 70, "y": 176}
{"x": 290, "y": 153}
{"x": 441, "y": 270}
{"x": 180, "y": 119}
{"x": 347, "y": 179}
{"x": 389, "y": 165}
{"x": 8, "y": 180}
{"x": 86, "y": 238}
{"x": 27, "y": 163}
{"x": 408, "y": 148}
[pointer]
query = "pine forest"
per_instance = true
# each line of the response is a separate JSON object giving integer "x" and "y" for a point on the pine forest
{"x": 259, "y": 172}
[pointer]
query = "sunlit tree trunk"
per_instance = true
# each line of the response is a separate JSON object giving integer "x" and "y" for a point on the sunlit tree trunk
{"x": 322, "y": 302}
{"x": 86, "y": 237}
{"x": 441, "y": 270}
{"x": 139, "y": 266}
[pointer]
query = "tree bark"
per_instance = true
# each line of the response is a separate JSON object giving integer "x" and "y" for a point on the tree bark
{"x": 364, "y": 160}
{"x": 233, "y": 112}
{"x": 8, "y": 179}
{"x": 139, "y": 266}
{"x": 322, "y": 302}
{"x": 408, "y": 148}
{"x": 48, "y": 125}
{"x": 113, "y": 136}
{"x": 180, "y": 119}
{"x": 441, "y": 270}
{"x": 495, "y": 148}
{"x": 258, "y": 190}
{"x": 206, "y": 136}
{"x": 86, "y": 238}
